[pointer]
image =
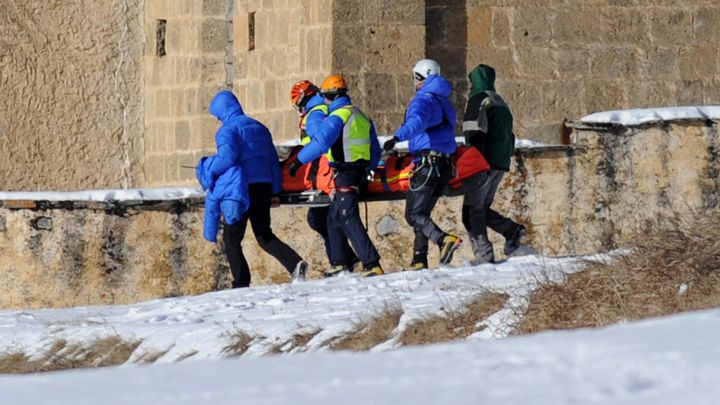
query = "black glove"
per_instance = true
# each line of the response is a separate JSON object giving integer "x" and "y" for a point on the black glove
{"x": 390, "y": 143}
{"x": 294, "y": 167}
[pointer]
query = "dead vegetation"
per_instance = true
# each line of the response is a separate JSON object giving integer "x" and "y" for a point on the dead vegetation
{"x": 103, "y": 352}
{"x": 673, "y": 266}
{"x": 453, "y": 324}
{"x": 368, "y": 333}
{"x": 239, "y": 343}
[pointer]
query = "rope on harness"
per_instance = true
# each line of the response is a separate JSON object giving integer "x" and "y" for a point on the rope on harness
{"x": 427, "y": 179}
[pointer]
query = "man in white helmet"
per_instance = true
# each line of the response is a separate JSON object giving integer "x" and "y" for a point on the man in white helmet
{"x": 429, "y": 129}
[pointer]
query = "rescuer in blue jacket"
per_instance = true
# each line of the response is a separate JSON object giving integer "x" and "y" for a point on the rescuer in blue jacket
{"x": 248, "y": 144}
{"x": 429, "y": 129}
{"x": 307, "y": 101}
{"x": 349, "y": 139}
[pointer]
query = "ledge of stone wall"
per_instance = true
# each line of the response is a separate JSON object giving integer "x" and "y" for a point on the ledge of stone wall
{"x": 586, "y": 197}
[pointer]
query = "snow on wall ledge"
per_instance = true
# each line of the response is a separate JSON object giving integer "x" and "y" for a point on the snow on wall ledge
{"x": 575, "y": 199}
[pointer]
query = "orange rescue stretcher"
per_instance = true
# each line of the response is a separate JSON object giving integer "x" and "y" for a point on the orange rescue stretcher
{"x": 313, "y": 183}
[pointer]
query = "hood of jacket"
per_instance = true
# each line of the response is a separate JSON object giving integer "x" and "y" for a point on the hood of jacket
{"x": 225, "y": 106}
{"x": 482, "y": 78}
{"x": 437, "y": 85}
{"x": 314, "y": 101}
{"x": 339, "y": 102}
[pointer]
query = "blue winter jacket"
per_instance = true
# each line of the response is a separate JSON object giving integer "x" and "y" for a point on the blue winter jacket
{"x": 221, "y": 176}
{"x": 330, "y": 131}
{"x": 430, "y": 118}
{"x": 252, "y": 142}
{"x": 315, "y": 118}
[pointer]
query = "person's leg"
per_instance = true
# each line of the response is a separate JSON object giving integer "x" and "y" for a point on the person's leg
{"x": 317, "y": 219}
{"x": 419, "y": 202}
{"x": 348, "y": 216}
{"x": 474, "y": 211}
{"x": 338, "y": 241}
{"x": 498, "y": 223}
{"x": 259, "y": 215}
{"x": 233, "y": 236}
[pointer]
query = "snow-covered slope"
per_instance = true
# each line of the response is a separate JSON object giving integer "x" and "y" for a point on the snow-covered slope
{"x": 663, "y": 361}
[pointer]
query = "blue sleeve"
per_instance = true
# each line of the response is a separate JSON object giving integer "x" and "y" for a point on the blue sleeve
{"x": 276, "y": 173}
{"x": 313, "y": 122}
{"x": 417, "y": 119}
{"x": 226, "y": 155}
{"x": 328, "y": 133}
{"x": 375, "y": 150}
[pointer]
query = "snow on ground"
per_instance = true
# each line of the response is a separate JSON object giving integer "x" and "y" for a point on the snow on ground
{"x": 649, "y": 115}
{"x": 133, "y": 194}
{"x": 203, "y": 324}
{"x": 662, "y": 361}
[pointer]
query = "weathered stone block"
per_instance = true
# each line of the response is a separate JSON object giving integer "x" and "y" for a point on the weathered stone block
{"x": 624, "y": 26}
{"x": 380, "y": 94}
{"x": 661, "y": 62}
{"x": 403, "y": 11}
{"x": 182, "y": 135}
{"x": 186, "y": 162}
{"x": 711, "y": 91}
{"x": 533, "y": 26}
{"x": 171, "y": 169}
{"x": 501, "y": 59}
{"x": 351, "y": 12}
{"x": 537, "y": 63}
{"x": 603, "y": 95}
{"x": 614, "y": 62}
{"x": 574, "y": 63}
{"x": 523, "y": 98}
{"x": 501, "y": 29}
{"x": 699, "y": 61}
{"x": 706, "y": 23}
{"x": 154, "y": 170}
{"x": 562, "y": 99}
{"x": 647, "y": 94}
{"x": 214, "y": 35}
{"x": 574, "y": 27}
{"x": 671, "y": 26}
{"x": 689, "y": 92}
{"x": 543, "y": 133}
{"x": 391, "y": 48}
{"x": 214, "y": 8}
{"x": 479, "y": 26}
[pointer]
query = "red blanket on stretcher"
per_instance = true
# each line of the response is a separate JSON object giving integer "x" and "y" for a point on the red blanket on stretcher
{"x": 392, "y": 177}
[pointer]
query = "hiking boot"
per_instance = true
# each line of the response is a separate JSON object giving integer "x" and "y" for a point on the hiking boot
{"x": 339, "y": 270}
{"x": 512, "y": 242}
{"x": 449, "y": 245}
{"x": 419, "y": 262}
{"x": 372, "y": 271}
{"x": 298, "y": 275}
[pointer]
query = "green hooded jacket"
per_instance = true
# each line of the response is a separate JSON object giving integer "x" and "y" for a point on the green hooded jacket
{"x": 488, "y": 122}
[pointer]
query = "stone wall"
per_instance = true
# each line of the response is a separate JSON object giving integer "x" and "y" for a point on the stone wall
{"x": 374, "y": 45}
{"x": 565, "y": 59}
{"x": 292, "y": 42}
{"x": 184, "y": 69}
{"x": 589, "y": 197}
{"x": 71, "y": 80}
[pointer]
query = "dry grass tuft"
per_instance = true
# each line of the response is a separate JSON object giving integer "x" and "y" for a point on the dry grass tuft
{"x": 453, "y": 324}
{"x": 300, "y": 339}
{"x": 239, "y": 343}
{"x": 367, "y": 333}
{"x": 674, "y": 267}
{"x": 108, "y": 351}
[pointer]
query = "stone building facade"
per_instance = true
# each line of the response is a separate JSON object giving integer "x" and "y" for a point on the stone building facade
{"x": 114, "y": 94}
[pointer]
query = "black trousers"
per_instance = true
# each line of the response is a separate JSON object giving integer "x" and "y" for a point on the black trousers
{"x": 344, "y": 222}
{"x": 317, "y": 218}
{"x": 259, "y": 216}
{"x": 426, "y": 186}
{"x": 477, "y": 216}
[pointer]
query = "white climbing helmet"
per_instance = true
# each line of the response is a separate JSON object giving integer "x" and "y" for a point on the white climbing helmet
{"x": 424, "y": 68}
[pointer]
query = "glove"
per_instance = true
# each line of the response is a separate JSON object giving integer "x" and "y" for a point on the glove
{"x": 294, "y": 167}
{"x": 390, "y": 143}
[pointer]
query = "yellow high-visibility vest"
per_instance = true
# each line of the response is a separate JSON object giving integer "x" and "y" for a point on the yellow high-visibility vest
{"x": 355, "y": 135}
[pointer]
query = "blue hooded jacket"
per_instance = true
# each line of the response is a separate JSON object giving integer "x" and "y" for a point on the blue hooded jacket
{"x": 315, "y": 118}
{"x": 430, "y": 118}
{"x": 222, "y": 177}
{"x": 251, "y": 144}
{"x": 330, "y": 131}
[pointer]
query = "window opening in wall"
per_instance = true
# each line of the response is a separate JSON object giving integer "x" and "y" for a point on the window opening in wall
{"x": 160, "y": 37}
{"x": 251, "y": 31}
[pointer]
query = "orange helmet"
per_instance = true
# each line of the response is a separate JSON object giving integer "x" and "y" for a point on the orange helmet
{"x": 301, "y": 91}
{"x": 333, "y": 85}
